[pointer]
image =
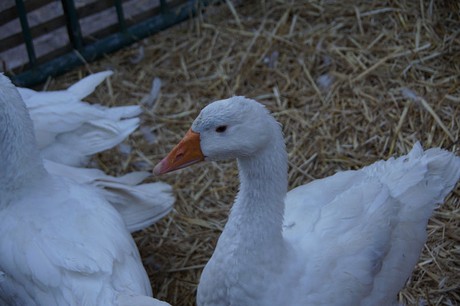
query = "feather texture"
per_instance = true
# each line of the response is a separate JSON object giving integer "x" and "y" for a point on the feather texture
{"x": 69, "y": 130}
{"x": 140, "y": 205}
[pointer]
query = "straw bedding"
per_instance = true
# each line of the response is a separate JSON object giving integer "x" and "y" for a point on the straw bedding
{"x": 352, "y": 82}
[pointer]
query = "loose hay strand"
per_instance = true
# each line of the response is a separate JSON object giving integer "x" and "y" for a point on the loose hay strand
{"x": 436, "y": 118}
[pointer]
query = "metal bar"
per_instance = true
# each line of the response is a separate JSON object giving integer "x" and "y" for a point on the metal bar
{"x": 11, "y": 13}
{"x": 109, "y": 44}
{"x": 73, "y": 25}
{"x": 16, "y": 39}
{"x": 120, "y": 15}
{"x": 163, "y": 5}
{"x": 26, "y": 33}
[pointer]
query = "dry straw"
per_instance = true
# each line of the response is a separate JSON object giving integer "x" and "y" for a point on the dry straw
{"x": 352, "y": 82}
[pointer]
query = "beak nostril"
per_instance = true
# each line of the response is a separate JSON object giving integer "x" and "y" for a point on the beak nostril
{"x": 179, "y": 157}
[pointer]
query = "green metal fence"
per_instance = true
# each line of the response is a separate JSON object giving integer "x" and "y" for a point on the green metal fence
{"x": 81, "y": 49}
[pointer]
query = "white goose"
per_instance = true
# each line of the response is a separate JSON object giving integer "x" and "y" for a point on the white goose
{"x": 61, "y": 243}
{"x": 349, "y": 239}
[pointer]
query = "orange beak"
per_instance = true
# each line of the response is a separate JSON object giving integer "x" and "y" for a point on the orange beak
{"x": 187, "y": 152}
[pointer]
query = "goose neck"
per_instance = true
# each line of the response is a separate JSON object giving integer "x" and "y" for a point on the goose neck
{"x": 257, "y": 213}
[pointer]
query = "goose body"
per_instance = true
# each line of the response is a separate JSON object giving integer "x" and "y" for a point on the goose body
{"x": 62, "y": 243}
{"x": 349, "y": 239}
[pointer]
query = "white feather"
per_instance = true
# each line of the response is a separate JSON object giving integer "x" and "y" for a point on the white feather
{"x": 69, "y": 130}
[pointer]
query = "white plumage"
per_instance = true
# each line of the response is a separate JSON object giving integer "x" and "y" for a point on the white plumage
{"x": 62, "y": 243}
{"x": 69, "y": 131}
{"x": 140, "y": 205}
{"x": 349, "y": 239}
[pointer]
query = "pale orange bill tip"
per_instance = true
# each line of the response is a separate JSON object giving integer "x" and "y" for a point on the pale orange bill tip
{"x": 187, "y": 152}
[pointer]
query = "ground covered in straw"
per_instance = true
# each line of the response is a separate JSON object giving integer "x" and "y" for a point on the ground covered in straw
{"x": 352, "y": 82}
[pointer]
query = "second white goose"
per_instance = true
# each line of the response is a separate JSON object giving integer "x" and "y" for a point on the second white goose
{"x": 61, "y": 242}
{"x": 349, "y": 239}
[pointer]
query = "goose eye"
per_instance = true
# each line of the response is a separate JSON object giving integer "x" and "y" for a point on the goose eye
{"x": 221, "y": 128}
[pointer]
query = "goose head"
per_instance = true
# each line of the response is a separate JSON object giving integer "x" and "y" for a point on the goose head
{"x": 237, "y": 127}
